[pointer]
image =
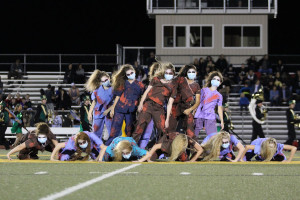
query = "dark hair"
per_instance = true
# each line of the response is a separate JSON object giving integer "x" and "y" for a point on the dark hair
{"x": 183, "y": 71}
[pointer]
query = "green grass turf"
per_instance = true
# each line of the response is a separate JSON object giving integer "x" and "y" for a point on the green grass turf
{"x": 153, "y": 181}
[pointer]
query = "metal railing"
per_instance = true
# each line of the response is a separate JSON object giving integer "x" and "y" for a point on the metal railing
{"x": 199, "y": 6}
{"x": 58, "y": 62}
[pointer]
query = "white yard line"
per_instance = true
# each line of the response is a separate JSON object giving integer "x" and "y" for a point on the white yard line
{"x": 87, "y": 183}
{"x": 40, "y": 173}
{"x": 257, "y": 174}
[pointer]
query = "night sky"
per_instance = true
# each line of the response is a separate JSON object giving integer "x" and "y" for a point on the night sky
{"x": 86, "y": 26}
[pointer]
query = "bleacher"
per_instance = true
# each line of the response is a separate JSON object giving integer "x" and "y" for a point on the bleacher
{"x": 275, "y": 124}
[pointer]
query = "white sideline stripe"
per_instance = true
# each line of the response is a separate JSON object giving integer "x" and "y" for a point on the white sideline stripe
{"x": 87, "y": 183}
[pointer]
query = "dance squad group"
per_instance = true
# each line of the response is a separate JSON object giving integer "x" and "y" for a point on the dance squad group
{"x": 153, "y": 115}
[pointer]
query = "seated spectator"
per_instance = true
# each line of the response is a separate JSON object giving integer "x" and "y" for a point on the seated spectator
{"x": 211, "y": 65}
{"x": 28, "y": 103}
{"x": 139, "y": 71}
{"x": 244, "y": 102}
{"x": 267, "y": 90}
{"x": 57, "y": 122}
{"x": 296, "y": 83}
{"x": 222, "y": 63}
{"x": 13, "y": 103}
{"x": 209, "y": 59}
{"x": 252, "y": 63}
{"x": 224, "y": 88}
{"x": 251, "y": 76}
{"x": 23, "y": 103}
{"x": 231, "y": 74}
{"x": 65, "y": 100}
{"x": 207, "y": 71}
{"x": 66, "y": 121}
{"x": 246, "y": 90}
{"x": 274, "y": 96}
{"x": 1, "y": 86}
{"x": 69, "y": 75}
{"x": 196, "y": 64}
{"x": 49, "y": 93}
{"x": 202, "y": 66}
{"x": 256, "y": 87}
{"x": 80, "y": 75}
{"x": 42, "y": 92}
{"x": 284, "y": 94}
{"x": 18, "y": 98}
{"x": 16, "y": 70}
{"x": 265, "y": 65}
{"x": 74, "y": 94}
{"x": 279, "y": 67}
{"x": 53, "y": 98}
{"x": 8, "y": 100}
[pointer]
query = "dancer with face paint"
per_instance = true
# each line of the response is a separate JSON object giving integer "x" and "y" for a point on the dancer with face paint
{"x": 102, "y": 97}
{"x": 187, "y": 100}
{"x": 161, "y": 88}
{"x": 128, "y": 92}
{"x": 82, "y": 143}
{"x": 40, "y": 139}
{"x": 210, "y": 97}
{"x": 268, "y": 149}
{"x": 223, "y": 143}
{"x": 121, "y": 149}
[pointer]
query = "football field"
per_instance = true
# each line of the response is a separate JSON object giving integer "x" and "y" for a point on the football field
{"x": 43, "y": 179}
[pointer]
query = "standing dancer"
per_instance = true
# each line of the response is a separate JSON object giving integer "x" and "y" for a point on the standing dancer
{"x": 210, "y": 97}
{"x": 188, "y": 92}
{"x": 161, "y": 88}
{"x": 127, "y": 91}
{"x": 102, "y": 96}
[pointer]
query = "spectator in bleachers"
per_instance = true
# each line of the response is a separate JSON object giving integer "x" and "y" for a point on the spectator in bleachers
{"x": 274, "y": 96}
{"x": 207, "y": 71}
{"x": 66, "y": 121}
{"x": 251, "y": 76}
{"x": 267, "y": 90}
{"x": 279, "y": 67}
{"x": 13, "y": 103}
{"x": 296, "y": 84}
{"x": 80, "y": 75}
{"x": 28, "y": 103}
{"x": 49, "y": 93}
{"x": 23, "y": 103}
{"x": 1, "y": 86}
{"x": 225, "y": 88}
{"x": 8, "y": 101}
{"x": 4, "y": 119}
{"x": 246, "y": 90}
{"x": 74, "y": 94}
{"x": 230, "y": 73}
{"x": 18, "y": 98}
{"x": 16, "y": 70}
{"x": 202, "y": 65}
{"x": 265, "y": 65}
{"x": 211, "y": 65}
{"x": 150, "y": 61}
{"x": 242, "y": 74}
{"x": 255, "y": 88}
{"x": 139, "y": 71}
{"x": 252, "y": 63}
{"x": 244, "y": 103}
{"x": 69, "y": 75}
{"x": 53, "y": 98}
{"x": 222, "y": 63}
{"x": 42, "y": 92}
{"x": 196, "y": 64}
{"x": 284, "y": 94}
{"x": 64, "y": 100}
{"x": 209, "y": 59}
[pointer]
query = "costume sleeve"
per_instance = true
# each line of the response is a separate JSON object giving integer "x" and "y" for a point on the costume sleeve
{"x": 95, "y": 139}
{"x": 234, "y": 140}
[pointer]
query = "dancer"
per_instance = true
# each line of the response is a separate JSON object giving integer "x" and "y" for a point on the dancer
{"x": 128, "y": 92}
{"x": 161, "y": 88}
{"x": 102, "y": 97}
{"x": 210, "y": 97}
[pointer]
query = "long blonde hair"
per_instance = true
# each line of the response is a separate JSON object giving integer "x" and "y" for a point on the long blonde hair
{"x": 179, "y": 145}
{"x": 160, "y": 72}
{"x": 95, "y": 79}
{"x": 268, "y": 149}
{"x": 154, "y": 67}
{"x": 122, "y": 145}
{"x": 213, "y": 146}
{"x": 119, "y": 77}
{"x": 210, "y": 76}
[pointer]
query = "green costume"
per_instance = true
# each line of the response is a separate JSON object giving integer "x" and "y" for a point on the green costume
{"x": 17, "y": 128}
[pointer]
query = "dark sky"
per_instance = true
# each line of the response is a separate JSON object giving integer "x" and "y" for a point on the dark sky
{"x": 96, "y": 26}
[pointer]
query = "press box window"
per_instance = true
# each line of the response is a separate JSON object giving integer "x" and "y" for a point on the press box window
{"x": 245, "y": 36}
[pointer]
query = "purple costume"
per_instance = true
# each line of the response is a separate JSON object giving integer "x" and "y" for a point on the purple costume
{"x": 206, "y": 111}
{"x": 104, "y": 99}
{"x": 228, "y": 152}
{"x": 278, "y": 156}
{"x": 71, "y": 148}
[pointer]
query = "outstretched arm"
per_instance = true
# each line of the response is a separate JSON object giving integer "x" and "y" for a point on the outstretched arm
{"x": 293, "y": 150}
{"x": 199, "y": 152}
{"x": 169, "y": 109}
{"x": 56, "y": 150}
{"x": 241, "y": 150}
{"x": 16, "y": 149}
{"x": 248, "y": 147}
{"x": 140, "y": 108}
{"x": 150, "y": 153}
{"x": 101, "y": 154}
